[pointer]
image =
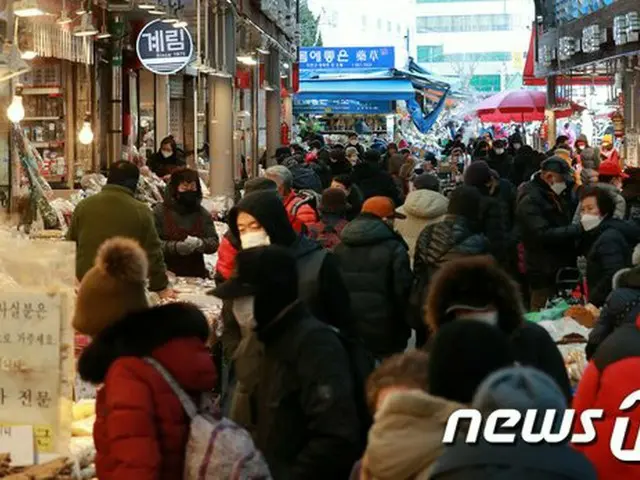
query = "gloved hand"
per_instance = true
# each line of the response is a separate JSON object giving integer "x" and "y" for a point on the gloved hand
{"x": 199, "y": 243}
{"x": 188, "y": 245}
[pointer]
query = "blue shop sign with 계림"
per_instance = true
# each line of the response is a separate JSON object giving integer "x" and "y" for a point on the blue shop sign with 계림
{"x": 164, "y": 49}
{"x": 312, "y": 58}
{"x": 322, "y": 106}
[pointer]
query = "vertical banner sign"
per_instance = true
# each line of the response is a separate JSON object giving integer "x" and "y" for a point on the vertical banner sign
{"x": 317, "y": 58}
{"x": 30, "y": 373}
{"x": 164, "y": 49}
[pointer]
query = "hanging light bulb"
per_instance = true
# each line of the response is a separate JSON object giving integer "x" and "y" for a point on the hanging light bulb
{"x": 85, "y": 136}
{"x": 15, "y": 112}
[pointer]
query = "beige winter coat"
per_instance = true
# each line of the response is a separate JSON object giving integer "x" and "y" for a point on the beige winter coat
{"x": 422, "y": 208}
{"x": 406, "y": 437}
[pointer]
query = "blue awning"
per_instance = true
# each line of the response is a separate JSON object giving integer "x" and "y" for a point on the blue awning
{"x": 389, "y": 89}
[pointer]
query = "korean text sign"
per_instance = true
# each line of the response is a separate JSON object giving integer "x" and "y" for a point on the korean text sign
{"x": 163, "y": 48}
{"x": 30, "y": 362}
{"x": 318, "y": 58}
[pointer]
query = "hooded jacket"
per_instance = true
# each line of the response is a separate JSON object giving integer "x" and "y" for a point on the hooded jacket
{"x": 621, "y": 204}
{"x": 525, "y": 163}
{"x": 375, "y": 266}
{"x": 502, "y": 164}
{"x": 621, "y": 308}
{"x": 631, "y": 194}
{"x": 406, "y": 437}
{"x": 544, "y": 220}
{"x": 162, "y": 166}
{"x": 322, "y": 288}
{"x": 374, "y": 182}
{"x": 141, "y": 429}
{"x": 422, "y": 208}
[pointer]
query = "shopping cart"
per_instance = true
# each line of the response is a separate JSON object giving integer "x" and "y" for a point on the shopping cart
{"x": 570, "y": 286}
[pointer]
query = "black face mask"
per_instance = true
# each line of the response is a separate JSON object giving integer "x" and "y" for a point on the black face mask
{"x": 188, "y": 199}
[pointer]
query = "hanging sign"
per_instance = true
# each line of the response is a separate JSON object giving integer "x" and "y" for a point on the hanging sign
{"x": 317, "y": 58}
{"x": 164, "y": 49}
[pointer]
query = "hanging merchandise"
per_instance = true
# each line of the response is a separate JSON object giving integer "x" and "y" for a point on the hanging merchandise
{"x": 284, "y": 134}
{"x": 50, "y": 40}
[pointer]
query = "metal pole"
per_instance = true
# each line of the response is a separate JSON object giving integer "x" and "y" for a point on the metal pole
{"x": 255, "y": 128}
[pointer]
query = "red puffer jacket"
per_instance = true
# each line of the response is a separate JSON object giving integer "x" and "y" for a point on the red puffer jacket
{"x": 227, "y": 252}
{"x": 141, "y": 429}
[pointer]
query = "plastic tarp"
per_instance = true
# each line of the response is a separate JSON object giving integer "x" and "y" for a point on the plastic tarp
{"x": 424, "y": 122}
{"x": 388, "y": 89}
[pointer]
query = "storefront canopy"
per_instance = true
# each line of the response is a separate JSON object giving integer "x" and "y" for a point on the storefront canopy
{"x": 363, "y": 90}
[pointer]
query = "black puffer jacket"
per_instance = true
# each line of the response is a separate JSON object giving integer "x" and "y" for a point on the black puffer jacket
{"x": 374, "y": 182}
{"x": 525, "y": 164}
{"x": 502, "y": 164}
{"x": 544, "y": 221}
{"x": 611, "y": 247}
{"x": 622, "y": 307}
{"x": 307, "y": 423}
{"x": 438, "y": 244}
{"x": 631, "y": 194}
{"x": 375, "y": 265}
{"x": 495, "y": 213}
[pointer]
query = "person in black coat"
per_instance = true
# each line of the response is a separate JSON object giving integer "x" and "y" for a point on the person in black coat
{"x": 262, "y": 215}
{"x": 306, "y": 421}
{"x": 607, "y": 242}
{"x": 373, "y": 181}
{"x": 338, "y": 162}
{"x": 166, "y": 159}
{"x": 544, "y": 215}
{"x": 476, "y": 288}
{"x": 622, "y": 307}
{"x": 455, "y": 237}
{"x": 500, "y": 160}
{"x": 631, "y": 194}
{"x": 375, "y": 265}
{"x": 526, "y": 162}
{"x": 354, "y": 142}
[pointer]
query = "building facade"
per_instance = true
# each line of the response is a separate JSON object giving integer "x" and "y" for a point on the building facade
{"x": 483, "y": 42}
{"x": 370, "y": 23}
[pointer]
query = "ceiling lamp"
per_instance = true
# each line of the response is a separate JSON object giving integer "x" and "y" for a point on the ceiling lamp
{"x": 15, "y": 112}
{"x": 27, "y": 8}
{"x": 86, "y": 27}
{"x": 247, "y": 60}
{"x": 104, "y": 33}
{"x": 147, "y": 4}
{"x": 64, "y": 18}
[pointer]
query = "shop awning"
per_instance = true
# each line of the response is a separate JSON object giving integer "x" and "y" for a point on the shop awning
{"x": 388, "y": 89}
{"x": 342, "y": 106}
{"x": 529, "y": 76}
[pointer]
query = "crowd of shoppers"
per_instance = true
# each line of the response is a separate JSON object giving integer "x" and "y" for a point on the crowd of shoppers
{"x": 333, "y": 262}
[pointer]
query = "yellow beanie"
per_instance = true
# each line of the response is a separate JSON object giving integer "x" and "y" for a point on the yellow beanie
{"x": 607, "y": 139}
{"x": 113, "y": 288}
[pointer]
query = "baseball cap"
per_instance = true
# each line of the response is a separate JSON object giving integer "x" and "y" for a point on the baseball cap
{"x": 557, "y": 164}
{"x": 382, "y": 207}
{"x": 611, "y": 169}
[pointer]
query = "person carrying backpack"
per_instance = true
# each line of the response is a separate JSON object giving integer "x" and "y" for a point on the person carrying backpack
{"x": 305, "y": 410}
{"x": 333, "y": 212}
{"x": 141, "y": 427}
{"x": 299, "y": 205}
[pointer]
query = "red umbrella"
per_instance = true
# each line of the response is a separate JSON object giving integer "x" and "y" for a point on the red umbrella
{"x": 520, "y": 106}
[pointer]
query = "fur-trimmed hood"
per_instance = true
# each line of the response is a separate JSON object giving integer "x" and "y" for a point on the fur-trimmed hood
{"x": 173, "y": 334}
{"x": 475, "y": 281}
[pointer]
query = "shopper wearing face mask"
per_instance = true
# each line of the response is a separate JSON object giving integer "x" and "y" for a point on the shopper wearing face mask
{"x": 186, "y": 230}
{"x": 354, "y": 142}
{"x": 544, "y": 217}
{"x": 607, "y": 242}
{"x": 374, "y": 260}
{"x": 304, "y": 402}
{"x": 166, "y": 159}
{"x": 500, "y": 160}
{"x": 610, "y": 179}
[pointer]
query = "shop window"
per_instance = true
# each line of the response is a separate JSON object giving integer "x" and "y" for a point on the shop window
{"x": 430, "y": 53}
{"x": 486, "y": 83}
{"x": 464, "y": 23}
{"x": 472, "y": 57}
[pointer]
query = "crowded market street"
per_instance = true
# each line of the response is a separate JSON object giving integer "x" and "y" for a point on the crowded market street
{"x": 319, "y": 239}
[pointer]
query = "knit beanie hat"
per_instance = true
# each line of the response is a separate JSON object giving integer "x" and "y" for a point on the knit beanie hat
{"x": 464, "y": 353}
{"x": 113, "y": 288}
{"x": 334, "y": 200}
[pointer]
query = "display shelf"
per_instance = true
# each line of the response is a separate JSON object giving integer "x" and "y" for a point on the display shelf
{"x": 54, "y": 178}
{"x": 42, "y": 91}
{"x": 41, "y": 119}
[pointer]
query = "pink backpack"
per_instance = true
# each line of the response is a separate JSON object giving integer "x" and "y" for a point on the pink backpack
{"x": 217, "y": 448}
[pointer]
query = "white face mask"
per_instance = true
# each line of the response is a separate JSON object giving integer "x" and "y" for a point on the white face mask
{"x": 590, "y": 221}
{"x": 166, "y": 154}
{"x": 558, "y": 188}
{"x": 516, "y": 146}
{"x": 489, "y": 316}
{"x": 499, "y": 151}
{"x": 255, "y": 239}
{"x": 242, "y": 309}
